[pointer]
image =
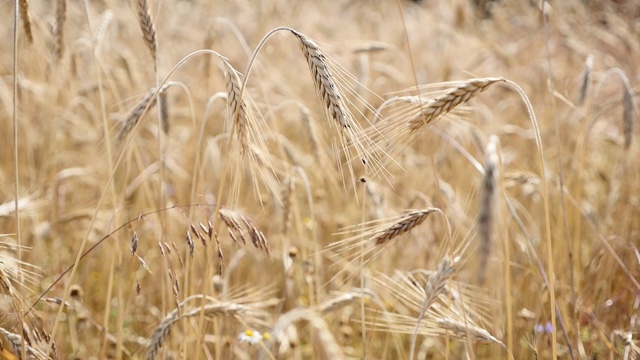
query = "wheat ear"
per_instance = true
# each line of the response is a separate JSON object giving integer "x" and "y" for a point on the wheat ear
{"x": 586, "y": 79}
{"x": 236, "y": 106}
{"x": 147, "y": 27}
{"x": 403, "y": 226}
{"x": 403, "y": 117}
{"x": 15, "y": 343}
{"x": 352, "y": 136}
{"x": 452, "y": 98}
{"x": 435, "y": 286}
{"x": 378, "y": 234}
{"x": 134, "y": 116}
{"x": 487, "y": 208}
{"x": 61, "y": 15}
{"x": 26, "y": 22}
{"x": 234, "y": 222}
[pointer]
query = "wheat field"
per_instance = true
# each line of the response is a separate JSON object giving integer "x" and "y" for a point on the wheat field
{"x": 351, "y": 179}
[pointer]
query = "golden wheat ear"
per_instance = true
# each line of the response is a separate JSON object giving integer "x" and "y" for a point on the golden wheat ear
{"x": 402, "y": 118}
{"x": 349, "y": 137}
{"x": 372, "y": 238}
{"x": 147, "y": 27}
{"x": 248, "y": 307}
{"x": 249, "y": 133}
{"x": 142, "y": 107}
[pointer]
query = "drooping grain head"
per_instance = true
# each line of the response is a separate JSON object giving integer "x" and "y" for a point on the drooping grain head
{"x": 236, "y": 106}
{"x": 432, "y": 109}
{"x": 352, "y": 139}
{"x": 403, "y": 118}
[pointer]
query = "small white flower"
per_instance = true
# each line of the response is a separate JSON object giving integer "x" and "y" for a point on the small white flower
{"x": 250, "y": 336}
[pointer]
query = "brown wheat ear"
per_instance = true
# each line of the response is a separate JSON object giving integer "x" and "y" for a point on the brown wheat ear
{"x": 26, "y": 22}
{"x": 403, "y": 117}
{"x": 487, "y": 207}
{"x": 147, "y": 27}
{"x": 375, "y": 236}
{"x": 354, "y": 141}
{"x": 586, "y": 79}
{"x": 234, "y": 222}
{"x": 61, "y": 15}
{"x": 403, "y": 226}
{"x": 133, "y": 117}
